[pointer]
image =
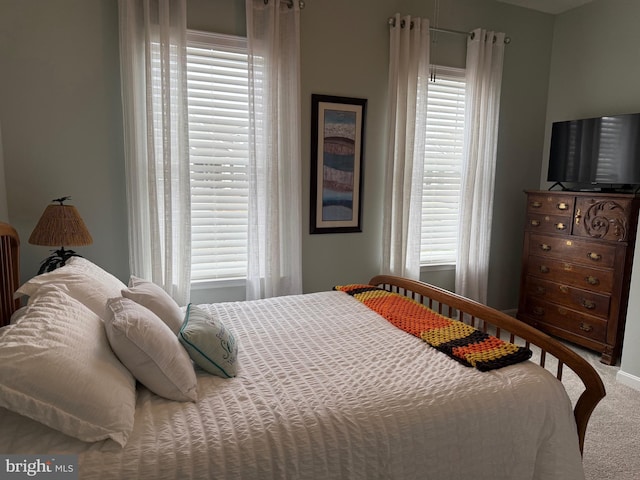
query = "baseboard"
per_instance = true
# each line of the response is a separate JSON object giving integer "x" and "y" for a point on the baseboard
{"x": 628, "y": 380}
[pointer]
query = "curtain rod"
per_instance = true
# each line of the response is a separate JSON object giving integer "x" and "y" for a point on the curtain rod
{"x": 392, "y": 21}
{"x": 290, "y": 3}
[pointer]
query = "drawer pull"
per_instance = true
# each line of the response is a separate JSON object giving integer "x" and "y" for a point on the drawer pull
{"x": 536, "y": 204}
{"x": 560, "y": 226}
{"x": 585, "y": 327}
{"x": 544, "y": 269}
{"x": 593, "y": 280}
{"x": 596, "y": 257}
{"x": 545, "y": 248}
{"x": 564, "y": 289}
{"x": 588, "y": 304}
{"x": 535, "y": 223}
{"x": 540, "y": 290}
{"x": 539, "y": 311}
{"x": 578, "y": 216}
{"x": 562, "y": 206}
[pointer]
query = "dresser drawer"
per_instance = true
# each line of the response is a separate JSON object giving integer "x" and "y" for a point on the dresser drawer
{"x": 570, "y": 273}
{"x": 566, "y": 319}
{"x": 582, "y": 300}
{"x": 549, "y": 204}
{"x": 595, "y": 254}
{"x": 548, "y": 223}
{"x": 605, "y": 219}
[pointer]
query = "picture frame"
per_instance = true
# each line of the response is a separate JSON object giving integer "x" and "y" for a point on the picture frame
{"x": 337, "y": 160}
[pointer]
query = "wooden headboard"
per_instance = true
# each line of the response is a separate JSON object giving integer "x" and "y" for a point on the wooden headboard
{"x": 9, "y": 271}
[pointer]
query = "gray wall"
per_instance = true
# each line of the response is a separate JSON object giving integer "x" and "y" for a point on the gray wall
{"x": 595, "y": 70}
{"x": 60, "y": 110}
{"x": 357, "y": 48}
{"x": 61, "y": 117}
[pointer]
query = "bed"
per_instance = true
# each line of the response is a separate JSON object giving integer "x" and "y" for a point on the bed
{"x": 323, "y": 386}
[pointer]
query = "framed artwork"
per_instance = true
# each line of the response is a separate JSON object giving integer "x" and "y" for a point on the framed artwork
{"x": 337, "y": 144}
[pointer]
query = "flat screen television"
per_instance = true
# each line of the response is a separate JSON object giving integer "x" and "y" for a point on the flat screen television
{"x": 603, "y": 152}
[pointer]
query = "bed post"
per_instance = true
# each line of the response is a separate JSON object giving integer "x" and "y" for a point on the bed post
{"x": 9, "y": 271}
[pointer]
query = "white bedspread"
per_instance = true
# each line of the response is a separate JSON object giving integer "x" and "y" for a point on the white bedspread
{"x": 327, "y": 389}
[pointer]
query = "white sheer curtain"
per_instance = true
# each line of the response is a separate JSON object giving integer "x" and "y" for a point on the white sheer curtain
{"x": 485, "y": 53}
{"x": 273, "y": 37}
{"x": 154, "y": 92}
{"x": 408, "y": 80}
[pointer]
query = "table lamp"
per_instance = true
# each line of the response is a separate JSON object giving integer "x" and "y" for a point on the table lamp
{"x": 61, "y": 225}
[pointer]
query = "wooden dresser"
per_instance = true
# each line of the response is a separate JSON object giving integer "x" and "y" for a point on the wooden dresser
{"x": 576, "y": 266}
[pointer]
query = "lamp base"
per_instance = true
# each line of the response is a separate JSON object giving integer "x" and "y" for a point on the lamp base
{"x": 57, "y": 259}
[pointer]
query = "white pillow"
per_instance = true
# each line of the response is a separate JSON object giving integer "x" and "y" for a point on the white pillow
{"x": 152, "y": 296}
{"x": 85, "y": 281}
{"x": 150, "y": 350}
{"x": 56, "y": 367}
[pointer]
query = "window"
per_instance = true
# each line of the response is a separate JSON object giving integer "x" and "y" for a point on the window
{"x": 442, "y": 167}
{"x": 217, "y": 88}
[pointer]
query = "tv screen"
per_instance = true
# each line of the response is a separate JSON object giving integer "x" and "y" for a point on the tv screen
{"x": 603, "y": 150}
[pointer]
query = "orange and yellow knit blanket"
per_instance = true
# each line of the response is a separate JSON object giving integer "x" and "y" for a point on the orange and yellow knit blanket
{"x": 460, "y": 341}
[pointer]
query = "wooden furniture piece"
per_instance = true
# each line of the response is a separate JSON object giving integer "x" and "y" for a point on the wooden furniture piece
{"x": 9, "y": 271}
{"x": 576, "y": 266}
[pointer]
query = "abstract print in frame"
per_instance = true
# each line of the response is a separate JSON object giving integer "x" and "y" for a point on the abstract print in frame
{"x": 337, "y": 144}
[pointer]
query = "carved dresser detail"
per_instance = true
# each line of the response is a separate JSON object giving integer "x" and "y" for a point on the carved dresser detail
{"x": 576, "y": 266}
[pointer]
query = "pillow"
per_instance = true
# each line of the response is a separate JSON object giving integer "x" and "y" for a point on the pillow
{"x": 150, "y": 350}
{"x": 56, "y": 367}
{"x": 210, "y": 345}
{"x": 17, "y": 315}
{"x": 154, "y": 297}
{"x": 85, "y": 281}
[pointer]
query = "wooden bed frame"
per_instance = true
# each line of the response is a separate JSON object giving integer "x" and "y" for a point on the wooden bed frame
{"x": 443, "y": 301}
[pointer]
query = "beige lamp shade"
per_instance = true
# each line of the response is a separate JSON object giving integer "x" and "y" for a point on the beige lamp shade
{"x": 60, "y": 225}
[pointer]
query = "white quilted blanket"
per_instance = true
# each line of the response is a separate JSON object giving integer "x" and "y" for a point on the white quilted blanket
{"x": 327, "y": 389}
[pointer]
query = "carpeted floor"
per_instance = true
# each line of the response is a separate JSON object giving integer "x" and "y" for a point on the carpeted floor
{"x": 612, "y": 443}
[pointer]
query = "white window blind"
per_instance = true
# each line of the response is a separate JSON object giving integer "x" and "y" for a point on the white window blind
{"x": 217, "y": 83}
{"x": 442, "y": 167}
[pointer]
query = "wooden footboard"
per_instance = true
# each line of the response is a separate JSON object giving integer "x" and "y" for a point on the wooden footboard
{"x": 508, "y": 328}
